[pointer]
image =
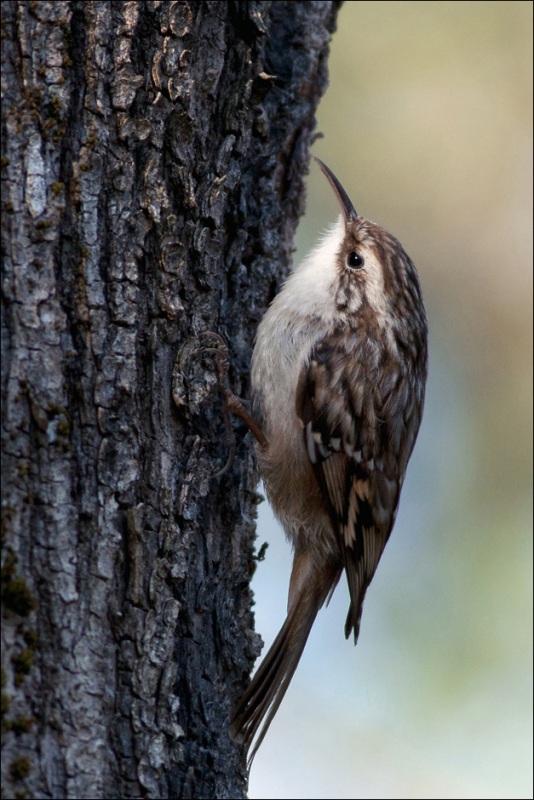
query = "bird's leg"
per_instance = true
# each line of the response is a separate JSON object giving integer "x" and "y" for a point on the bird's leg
{"x": 232, "y": 403}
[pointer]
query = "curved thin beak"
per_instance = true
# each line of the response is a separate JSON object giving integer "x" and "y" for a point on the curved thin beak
{"x": 349, "y": 212}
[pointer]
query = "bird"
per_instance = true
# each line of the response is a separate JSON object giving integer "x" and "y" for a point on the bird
{"x": 338, "y": 377}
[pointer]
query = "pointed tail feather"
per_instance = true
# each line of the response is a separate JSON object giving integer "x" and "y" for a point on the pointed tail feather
{"x": 256, "y": 709}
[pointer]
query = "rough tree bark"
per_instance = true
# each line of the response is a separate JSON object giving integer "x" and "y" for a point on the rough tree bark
{"x": 152, "y": 176}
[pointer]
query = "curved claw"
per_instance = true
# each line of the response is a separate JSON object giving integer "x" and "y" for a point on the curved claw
{"x": 219, "y": 339}
{"x": 233, "y": 405}
{"x": 222, "y": 364}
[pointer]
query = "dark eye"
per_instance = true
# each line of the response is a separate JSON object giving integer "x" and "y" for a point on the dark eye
{"x": 355, "y": 260}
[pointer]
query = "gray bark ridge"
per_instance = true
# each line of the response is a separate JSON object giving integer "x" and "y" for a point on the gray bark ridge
{"x": 153, "y": 157}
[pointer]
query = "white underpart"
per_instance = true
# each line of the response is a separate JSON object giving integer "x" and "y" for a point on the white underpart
{"x": 285, "y": 336}
{"x": 310, "y": 289}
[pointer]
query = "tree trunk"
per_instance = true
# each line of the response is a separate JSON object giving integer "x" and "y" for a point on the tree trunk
{"x": 152, "y": 178}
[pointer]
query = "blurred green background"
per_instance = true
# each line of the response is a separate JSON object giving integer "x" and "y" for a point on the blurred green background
{"x": 428, "y": 124}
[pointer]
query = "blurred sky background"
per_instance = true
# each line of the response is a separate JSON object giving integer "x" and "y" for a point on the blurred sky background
{"x": 428, "y": 124}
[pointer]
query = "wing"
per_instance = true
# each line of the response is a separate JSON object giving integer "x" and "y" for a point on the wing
{"x": 353, "y": 430}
